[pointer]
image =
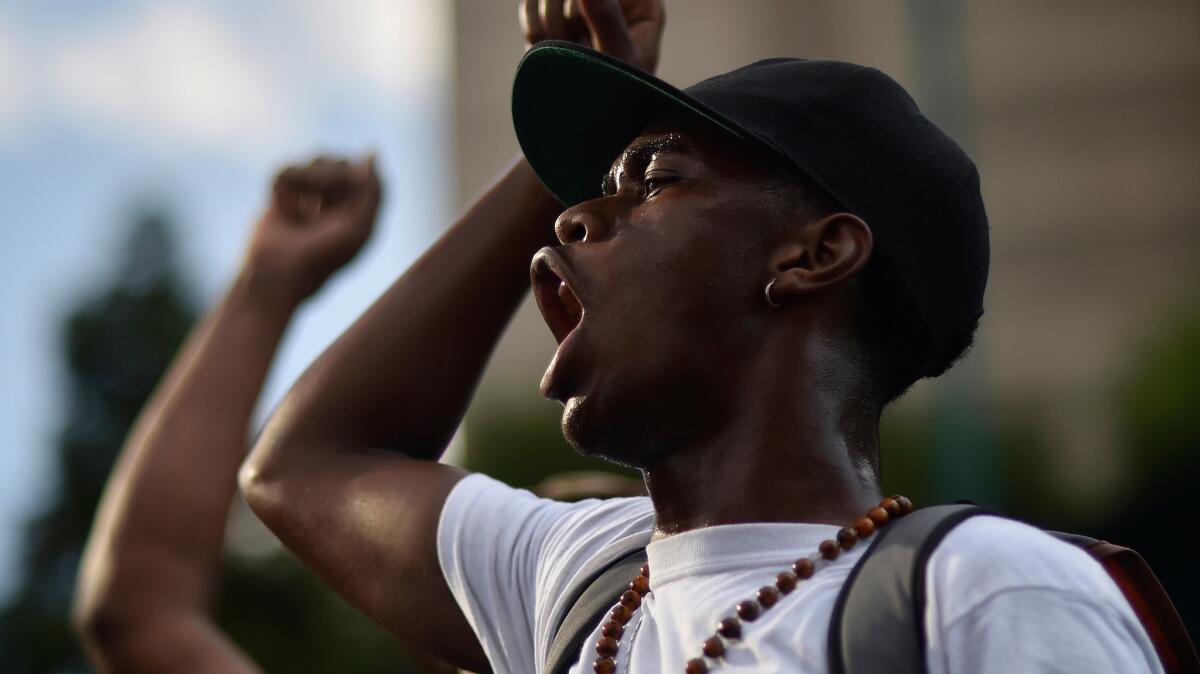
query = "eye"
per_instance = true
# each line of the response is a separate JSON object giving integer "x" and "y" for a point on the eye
{"x": 655, "y": 183}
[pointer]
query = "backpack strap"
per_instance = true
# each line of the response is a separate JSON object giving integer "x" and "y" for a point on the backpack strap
{"x": 878, "y": 618}
{"x": 598, "y": 595}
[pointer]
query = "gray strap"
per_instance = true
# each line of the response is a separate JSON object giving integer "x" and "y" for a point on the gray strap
{"x": 878, "y": 619}
{"x": 589, "y": 608}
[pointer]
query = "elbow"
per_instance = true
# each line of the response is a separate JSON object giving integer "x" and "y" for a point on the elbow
{"x": 265, "y": 475}
{"x": 96, "y": 629}
{"x": 251, "y": 484}
{"x": 260, "y": 483}
{"x": 93, "y": 611}
{"x": 104, "y": 628}
{"x": 85, "y": 623}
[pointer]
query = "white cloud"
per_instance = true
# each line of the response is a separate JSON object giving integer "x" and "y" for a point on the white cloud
{"x": 172, "y": 72}
{"x": 251, "y": 79}
{"x": 388, "y": 47}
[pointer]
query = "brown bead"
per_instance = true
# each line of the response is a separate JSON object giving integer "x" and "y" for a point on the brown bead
{"x": 645, "y": 571}
{"x": 749, "y": 610}
{"x": 621, "y": 613}
{"x": 613, "y": 629}
{"x": 906, "y": 505}
{"x": 713, "y": 647}
{"x": 631, "y": 600}
{"x": 730, "y": 628}
{"x": 879, "y": 516}
{"x": 847, "y": 538}
{"x": 829, "y": 549}
{"x": 864, "y": 526}
{"x": 606, "y": 647}
{"x": 785, "y": 582}
{"x": 768, "y": 595}
{"x": 640, "y": 585}
{"x": 891, "y": 506}
{"x": 696, "y": 666}
{"x": 804, "y": 568}
{"x": 605, "y": 666}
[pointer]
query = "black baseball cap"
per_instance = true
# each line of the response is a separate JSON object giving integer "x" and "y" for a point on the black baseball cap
{"x": 852, "y": 129}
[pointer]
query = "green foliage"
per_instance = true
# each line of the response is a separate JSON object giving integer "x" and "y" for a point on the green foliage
{"x": 1162, "y": 400}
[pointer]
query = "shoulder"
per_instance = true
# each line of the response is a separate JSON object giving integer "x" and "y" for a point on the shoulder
{"x": 1005, "y": 596}
{"x": 512, "y": 558}
{"x": 611, "y": 519}
{"x": 586, "y": 540}
{"x": 987, "y": 556}
{"x": 559, "y": 544}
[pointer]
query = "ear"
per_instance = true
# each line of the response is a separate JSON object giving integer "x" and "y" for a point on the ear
{"x": 822, "y": 254}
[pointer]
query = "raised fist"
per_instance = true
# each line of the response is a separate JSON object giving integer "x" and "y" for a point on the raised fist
{"x": 630, "y": 30}
{"x": 318, "y": 218}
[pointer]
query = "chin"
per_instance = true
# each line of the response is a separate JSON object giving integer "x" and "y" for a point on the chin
{"x": 629, "y": 437}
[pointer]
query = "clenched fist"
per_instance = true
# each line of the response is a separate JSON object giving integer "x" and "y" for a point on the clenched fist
{"x": 318, "y": 218}
{"x": 630, "y": 30}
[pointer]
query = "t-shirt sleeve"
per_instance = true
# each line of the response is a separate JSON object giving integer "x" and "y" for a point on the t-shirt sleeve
{"x": 1007, "y": 597}
{"x": 510, "y": 558}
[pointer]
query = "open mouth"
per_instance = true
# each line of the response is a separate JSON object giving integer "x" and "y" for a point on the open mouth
{"x": 557, "y": 301}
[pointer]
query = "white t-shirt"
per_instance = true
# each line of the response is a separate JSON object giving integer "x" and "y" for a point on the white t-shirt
{"x": 1003, "y": 596}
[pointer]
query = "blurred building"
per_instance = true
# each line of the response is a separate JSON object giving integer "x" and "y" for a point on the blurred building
{"x": 1082, "y": 117}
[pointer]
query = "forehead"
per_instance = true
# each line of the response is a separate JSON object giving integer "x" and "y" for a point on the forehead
{"x": 641, "y": 149}
{"x": 683, "y": 133}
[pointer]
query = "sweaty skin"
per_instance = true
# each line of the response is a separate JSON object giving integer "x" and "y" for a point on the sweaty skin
{"x": 679, "y": 367}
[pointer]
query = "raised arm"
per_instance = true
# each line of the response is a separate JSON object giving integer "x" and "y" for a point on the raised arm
{"x": 345, "y": 472}
{"x": 154, "y": 554}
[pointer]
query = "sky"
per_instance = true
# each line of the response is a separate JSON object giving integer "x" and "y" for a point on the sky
{"x": 108, "y": 107}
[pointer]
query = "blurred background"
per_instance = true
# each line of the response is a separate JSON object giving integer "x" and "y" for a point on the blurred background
{"x": 137, "y": 139}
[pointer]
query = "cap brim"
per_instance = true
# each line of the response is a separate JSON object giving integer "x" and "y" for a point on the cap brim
{"x": 575, "y": 109}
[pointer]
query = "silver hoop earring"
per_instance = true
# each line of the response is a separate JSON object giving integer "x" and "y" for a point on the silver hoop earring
{"x": 767, "y": 294}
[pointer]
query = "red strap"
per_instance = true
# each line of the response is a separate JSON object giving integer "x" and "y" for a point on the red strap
{"x": 1151, "y": 605}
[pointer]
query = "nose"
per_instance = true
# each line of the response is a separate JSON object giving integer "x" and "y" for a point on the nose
{"x": 584, "y": 222}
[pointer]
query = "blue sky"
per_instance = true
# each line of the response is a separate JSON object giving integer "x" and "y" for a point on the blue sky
{"x": 105, "y": 106}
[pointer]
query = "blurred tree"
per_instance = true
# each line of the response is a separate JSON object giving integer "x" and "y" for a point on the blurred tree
{"x": 118, "y": 342}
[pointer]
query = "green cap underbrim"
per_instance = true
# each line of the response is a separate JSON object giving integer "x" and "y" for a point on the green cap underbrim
{"x": 575, "y": 109}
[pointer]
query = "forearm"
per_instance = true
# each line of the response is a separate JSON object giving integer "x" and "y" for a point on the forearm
{"x": 156, "y": 544}
{"x": 401, "y": 377}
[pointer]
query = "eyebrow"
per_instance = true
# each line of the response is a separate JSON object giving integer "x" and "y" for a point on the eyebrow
{"x": 639, "y": 153}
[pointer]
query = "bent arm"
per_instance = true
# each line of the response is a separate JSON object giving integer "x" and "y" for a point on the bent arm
{"x": 345, "y": 472}
{"x": 154, "y": 553}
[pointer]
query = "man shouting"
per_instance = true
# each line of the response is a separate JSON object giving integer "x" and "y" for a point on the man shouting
{"x": 746, "y": 273}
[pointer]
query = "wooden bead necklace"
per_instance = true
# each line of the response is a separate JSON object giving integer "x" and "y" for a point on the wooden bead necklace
{"x": 729, "y": 629}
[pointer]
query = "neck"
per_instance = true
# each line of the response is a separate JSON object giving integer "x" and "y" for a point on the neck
{"x": 795, "y": 451}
